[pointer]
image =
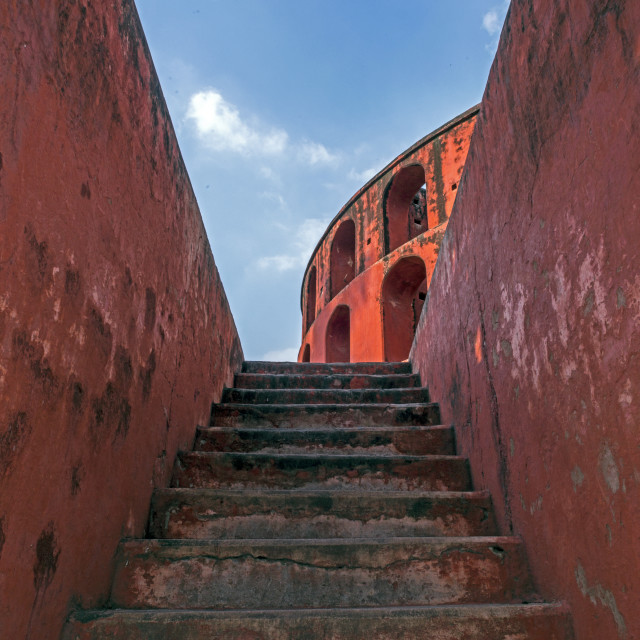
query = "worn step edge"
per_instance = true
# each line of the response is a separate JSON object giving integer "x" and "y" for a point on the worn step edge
{"x": 378, "y": 368}
{"x": 256, "y": 547}
{"x": 419, "y": 440}
{"x": 328, "y": 406}
{"x": 325, "y": 493}
{"x": 313, "y": 456}
{"x": 326, "y": 381}
{"x": 288, "y": 397}
{"x": 323, "y": 500}
{"x": 291, "y": 415}
{"x": 327, "y": 429}
{"x": 328, "y": 624}
{"x": 320, "y": 470}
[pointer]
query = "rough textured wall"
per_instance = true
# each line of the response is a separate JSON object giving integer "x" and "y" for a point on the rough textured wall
{"x": 531, "y": 336}
{"x": 115, "y": 332}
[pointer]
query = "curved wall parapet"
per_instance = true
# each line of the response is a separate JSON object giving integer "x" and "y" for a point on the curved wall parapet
{"x": 367, "y": 279}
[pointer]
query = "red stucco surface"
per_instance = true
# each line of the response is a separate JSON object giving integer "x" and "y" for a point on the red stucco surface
{"x": 441, "y": 156}
{"x": 531, "y": 333}
{"x": 115, "y": 332}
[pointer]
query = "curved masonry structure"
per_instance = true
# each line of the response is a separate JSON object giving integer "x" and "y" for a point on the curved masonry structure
{"x": 367, "y": 279}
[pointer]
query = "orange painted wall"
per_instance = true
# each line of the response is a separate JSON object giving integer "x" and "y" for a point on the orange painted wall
{"x": 442, "y": 155}
{"x": 531, "y": 334}
{"x": 115, "y": 332}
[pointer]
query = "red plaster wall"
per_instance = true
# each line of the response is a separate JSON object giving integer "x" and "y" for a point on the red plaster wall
{"x": 531, "y": 336}
{"x": 442, "y": 155}
{"x": 115, "y": 332}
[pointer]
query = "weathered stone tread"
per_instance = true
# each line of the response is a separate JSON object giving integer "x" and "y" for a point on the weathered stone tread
{"x": 210, "y": 513}
{"x": 320, "y": 572}
{"x": 300, "y": 415}
{"x": 324, "y": 396}
{"x": 361, "y": 368}
{"x": 445, "y": 622}
{"x": 319, "y": 381}
{"x": 421, "y": 440}
{"x": 316, "y": 470}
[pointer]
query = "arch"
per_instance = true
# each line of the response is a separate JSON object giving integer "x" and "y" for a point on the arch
{"x": 306, "y": 354}
{"x": 338, "y": 340}
{"x": 403, "y": 294}
{"x": 342, "y": 257}
{"x": 311, "y": 299}
{"x": 405, "y": 207}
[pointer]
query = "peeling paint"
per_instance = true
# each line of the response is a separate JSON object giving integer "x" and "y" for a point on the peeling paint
{"x": 621, "y": 300}
{"x": 609, "y": 469}
{"x": 597, "y": 594}
{"x": 577, "y": 477}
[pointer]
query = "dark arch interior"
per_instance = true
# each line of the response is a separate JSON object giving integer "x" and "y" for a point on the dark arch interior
{"x": 311, "y": 298}
{"x": 405, "y": 207}
{"x": 343, "y": 257}
{"x": 338, "y": 341}
{"x": 306, "y": 354}
{"x": 403, "y": 294}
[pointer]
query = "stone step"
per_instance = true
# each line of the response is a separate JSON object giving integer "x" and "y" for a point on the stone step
{"x": 438, "y": 440}
{"x": 278, "y": 574}
{"x": 339, "y": 415}
{"x": 334, "y": 381}
{"x": 324, "y": 396}
{"x": 210, "y": 513}
{"x": 321, "y": 471}
{"x": 313, "y": 368}
{"x": 447, "y": 622}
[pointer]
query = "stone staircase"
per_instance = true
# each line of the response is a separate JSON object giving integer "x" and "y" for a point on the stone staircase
{"x": 325, "y": 501}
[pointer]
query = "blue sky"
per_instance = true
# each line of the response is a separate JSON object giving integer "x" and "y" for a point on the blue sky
{"x": 284, "y": 108}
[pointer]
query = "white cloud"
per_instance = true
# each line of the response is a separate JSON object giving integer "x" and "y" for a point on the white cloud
{"x": 302, "y": 241}
{"x": 269, "y": 174}
{"x": 281, "y": 355}
{"x": 220, "y": 127}
{"x": 275, "y": 197}
{"x": 362, "y": 176}
{"x": 491, "y": 22}
{"x": 278, "y": 263}
{"x": 314, "y": 153}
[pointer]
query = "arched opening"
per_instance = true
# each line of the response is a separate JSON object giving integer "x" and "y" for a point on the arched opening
{"x": 405, "y": 207}
{"x": 338, "y": 342}
{"x": 343, "y": 257}
{"x": 306, "y": 354}
{"x": 403, "y": 294}
{"x": 311, "y": 299}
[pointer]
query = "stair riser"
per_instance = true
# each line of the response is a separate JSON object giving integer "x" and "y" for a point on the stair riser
{"x": 325, "y": 369}
{"x": 325, "y": 516}
{"x": 287, "y": 416}
{"x": 258, "y": 576}
{"x": 292, "y": 381}
{"x": 412, "y": 441}
{"x": 446, "y": 623}
{"x": 244, "y": 471}
{"x": 324, "y": 396}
